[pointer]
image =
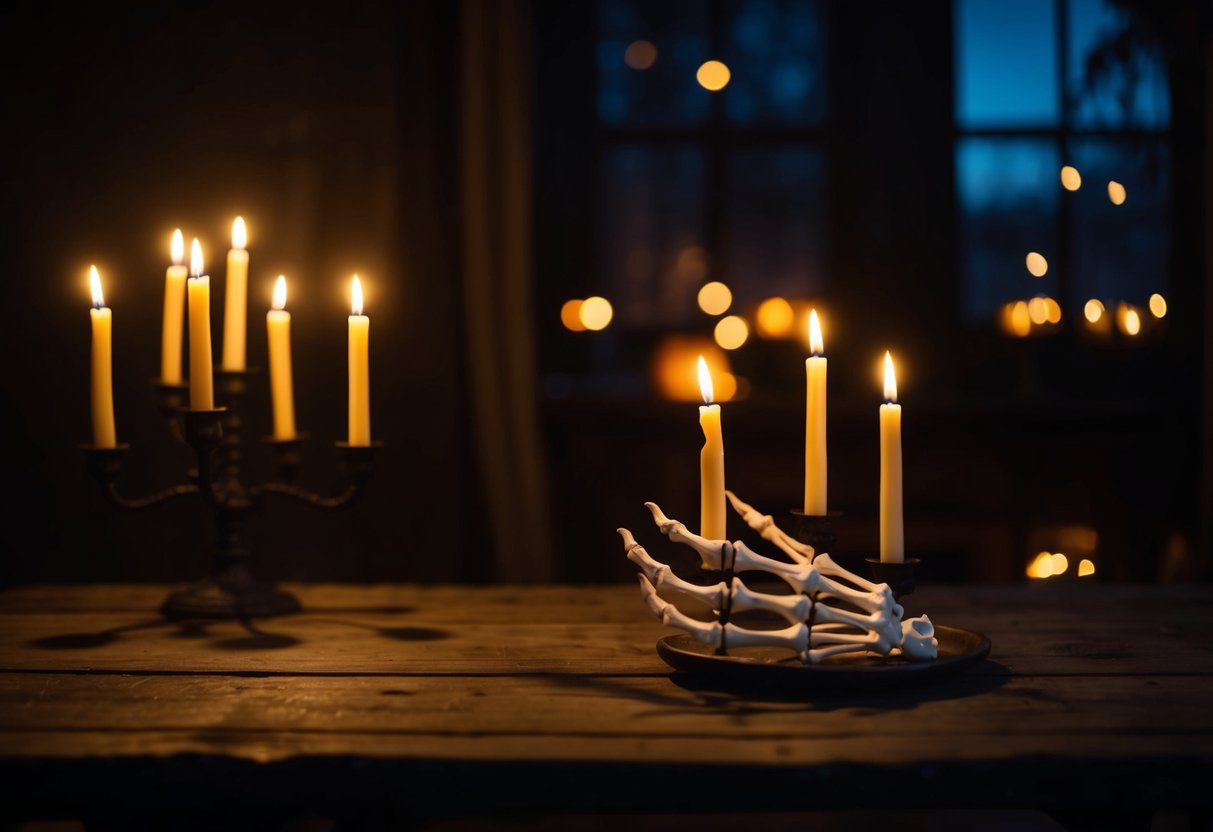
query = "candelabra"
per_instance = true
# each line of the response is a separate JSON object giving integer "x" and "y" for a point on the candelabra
{"x": 220, "y": 477}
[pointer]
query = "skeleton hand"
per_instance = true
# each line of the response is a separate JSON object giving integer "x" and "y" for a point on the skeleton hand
{"x": 861, "y": 616}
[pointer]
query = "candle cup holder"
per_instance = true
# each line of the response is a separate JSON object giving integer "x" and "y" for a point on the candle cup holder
{"x": 899, "y": 576}
{"x": 214, "y": 435}
{"x": 816, "y": 530}
{"x": 171, "y": 399}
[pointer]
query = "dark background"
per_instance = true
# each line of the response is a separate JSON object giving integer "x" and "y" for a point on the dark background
{"x": 346, "y": 137}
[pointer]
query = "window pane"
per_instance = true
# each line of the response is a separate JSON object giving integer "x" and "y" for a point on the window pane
{"x": 650, "y": 232}
{"x": 1120, "y": 251}
{"x": 1115, "y": 78}
{"x": 775, "y": 51}
{"x": 1008, "y": 193}
{"x": 773, "y": 218}
{"x": 654, "y": 83}
{"x": 1006, "y": 63}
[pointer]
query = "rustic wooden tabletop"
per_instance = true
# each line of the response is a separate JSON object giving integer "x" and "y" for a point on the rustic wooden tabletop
{"x": 441, "y": 699}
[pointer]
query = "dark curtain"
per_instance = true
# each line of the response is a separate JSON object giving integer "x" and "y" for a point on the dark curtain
{"x": 498, "y": 279}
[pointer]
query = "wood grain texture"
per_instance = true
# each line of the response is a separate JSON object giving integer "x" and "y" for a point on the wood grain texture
{"x": 424, "y": 688}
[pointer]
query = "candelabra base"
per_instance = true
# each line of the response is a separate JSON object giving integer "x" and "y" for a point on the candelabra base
{"x": 817, "y": 530}
{"x": 210, "y": 599}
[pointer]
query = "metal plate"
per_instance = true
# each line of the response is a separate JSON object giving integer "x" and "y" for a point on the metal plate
{"x": 770, "y": 666}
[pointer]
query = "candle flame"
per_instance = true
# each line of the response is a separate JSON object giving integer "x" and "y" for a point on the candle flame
{"x": 280, "y": 292}
{"x": 239, "y": 233}
{"x": 815, "y": 343}
{"x": 705, "y": 382}
{"x": 94, "y": 283}
{"x": 177, "y": 247}
{"x": 890, "y": 379}
{"x": 195, "y": 258}
{"x": 356, "y": 306}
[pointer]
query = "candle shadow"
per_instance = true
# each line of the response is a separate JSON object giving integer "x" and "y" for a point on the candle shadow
{"x": 394, "y": 633}
{"x": 91, "y": 641}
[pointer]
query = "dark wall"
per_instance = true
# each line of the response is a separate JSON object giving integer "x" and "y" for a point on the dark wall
{"x": 125, "y": 122}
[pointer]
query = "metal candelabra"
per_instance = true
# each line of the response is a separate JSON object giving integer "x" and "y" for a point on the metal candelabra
{"x": 220, "y": 479}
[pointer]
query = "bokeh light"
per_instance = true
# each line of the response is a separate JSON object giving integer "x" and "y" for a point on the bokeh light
{"x": 713, "y": 76}
{"x": 731, "y": 332}
{"x": 1071, "y": 180}
{"x": 1158, "y": 305}
{"x": 596, "y": 313}
{"x": 640, "y": 55}
{"x": 715, "y": 298}
{"x": 1129, "y": 319}
{"x": 1021, "y": 320}
{"x": 1052, "y": 310}
{"x": 774, "y": 318}
{"x": 570, "y": 315}
{"x": 1116, "y": 193}
{"x": 1038, "y": 266}
{"x": 1093, "y": 310}
{"x": 1038, "y": 310}
{"x": 1086, "y": 567}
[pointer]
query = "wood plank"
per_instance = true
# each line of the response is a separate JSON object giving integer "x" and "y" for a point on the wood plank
{"x": 1059, "y": 714}
{"x": 503, "y": 630}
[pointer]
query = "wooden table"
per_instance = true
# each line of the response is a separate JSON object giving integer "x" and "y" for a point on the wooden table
{"x": 420, "y": 700}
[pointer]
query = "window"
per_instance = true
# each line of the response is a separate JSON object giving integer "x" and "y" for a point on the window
{"x": 695, "y": 185}
{"x": 1042, "y": 84}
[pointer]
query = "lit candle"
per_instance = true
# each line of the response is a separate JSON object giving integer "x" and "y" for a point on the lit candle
{"x": 711, "y": 462}
{"x": 815, "y": 423}
{"x": 104, "y": 434}
{"x": 202, "y": 385}
{"x": 360, "y": 382}
{"x": 278, "y": 326}
{"x": 174, "y": 313}
{"x": 235, "y": 313}
{"x": 892, "y": 529}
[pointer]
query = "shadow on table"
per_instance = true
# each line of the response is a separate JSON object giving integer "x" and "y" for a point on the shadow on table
{"x": 255, "y": 636}
{"x": 725, "y": 694}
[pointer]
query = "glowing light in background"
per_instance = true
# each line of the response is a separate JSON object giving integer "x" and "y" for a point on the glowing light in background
{"x": 1038, "y": 310}
{"x": 1116, "y": 192}
{"x": 1021, "y": 320}
{"x": 713, "y": 76}
{"x": 1128, "y": 319}
{"x": 1086, "y": 567}
{"x": 774, "y": 318}
{"x": 1093, "y": 310}
{"x": 1046, "y": 565}
{"x": 715, "y": 298}
{"x": 595, "y": 313}
{"x": 1038, "y": 266}
{"x": 1052, "y": 310}
{"x": 1071, "y": 180}
{"x": 731, "y": 332}
{"x": 1158, "y": 305}
{"x": 640, "y": 55}
{"x": 675, "y": 361}
{"x": 570, "y": 315}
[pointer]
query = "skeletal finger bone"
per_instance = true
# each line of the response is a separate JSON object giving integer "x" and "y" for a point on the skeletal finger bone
{"x": 764, "y": 524}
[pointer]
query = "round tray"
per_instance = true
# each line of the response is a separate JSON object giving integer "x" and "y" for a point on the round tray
{"x": 958, "y": 650}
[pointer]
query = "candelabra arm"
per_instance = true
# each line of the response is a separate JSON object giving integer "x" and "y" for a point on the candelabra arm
{"x": 136, "y": 503}
{"x": 352, "y": 493}
{"x": 359, "y": 464}
{"x": 105, "y": 464}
